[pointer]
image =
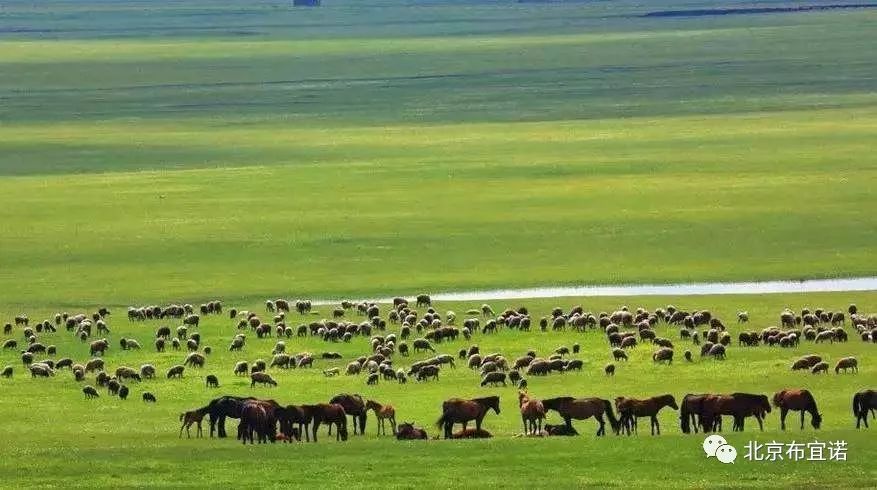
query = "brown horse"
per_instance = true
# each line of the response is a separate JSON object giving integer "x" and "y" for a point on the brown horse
{"x": 382, "y": 412}
{"x": 459, "y": 411}
{"x": 192, "y": 417}
{"x": 329, "y": 413}
{"x": 407, "y": 431}
{"x": 532, "y": 413}
{"x": 471, "y": 433}
{"x": 863, "y": 402}
{"x": 295, "y": 414}
{"x": 798, "y": 400}
{"x": 737, "y": 405}
{"x": 354, "y": 406}
{"x": 582, "y": 408}
{"x": 630, "y": 409}
{"x": 257, "y": 416}
{"x": 690, "y": 412}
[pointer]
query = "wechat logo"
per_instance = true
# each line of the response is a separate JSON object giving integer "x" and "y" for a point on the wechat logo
{"x": 716, "y": 445}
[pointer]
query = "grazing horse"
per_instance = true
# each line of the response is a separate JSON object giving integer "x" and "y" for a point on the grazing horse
{"x": 225, "y": 406}
{"x": 798, "y": 400}
{"x": 629, "y": 409}
{"x": 329, "y": 413}
{"x": 192, "y": 417}
{"x": 295, "y": 414}
{"x": 382, "y": 412}
{"x": 459, "y": 411}
{"x": 737, "y": 405}
{"x": 690, "y": 412}
{"x": 863, "y": 402}
{"x": 407, "y": 431}
{"x": 354, "y": 406}
{"x": 582, "y": 408}
{"x": 532, "y": 413}
{"x": 258, "y": 416}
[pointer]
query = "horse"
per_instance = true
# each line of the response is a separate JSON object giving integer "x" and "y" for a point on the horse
{"x": 295, "y": 414}
{"x": 225, "y": 406}
{"x": 532, "y": 413}
{"x": 258, "y": 416}
{"x": 192, "y": 417}
{"x": 407, "y": 431}
{"x": 471, "y": 434}
{"x": 798, "y": 400}
{"x": 355, "y": 407}
{"x": 329, "y": 413}
{"x": 582, "y": 408}
{"x": 863, "y": 402}
{"x": 738, "y": 405}
{"x": 382, "y": 412}
{"x": 690, "y": 412}
{"x": 459, "y": 411}
{"x": 630, "y": 409}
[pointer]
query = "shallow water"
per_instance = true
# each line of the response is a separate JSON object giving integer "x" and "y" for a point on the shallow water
{"x": 806, "y": 286}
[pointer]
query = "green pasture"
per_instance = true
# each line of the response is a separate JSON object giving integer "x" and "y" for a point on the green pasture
{"x": 135, "y": 444}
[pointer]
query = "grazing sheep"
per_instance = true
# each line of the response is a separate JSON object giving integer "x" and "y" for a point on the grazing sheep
{"x": 147, "y": 371}
{"x": 240, "y": 368}
{"x": 113, "y": 386}
{"x": 261, "y": 378}
{"x": 426, "y": 372}
{"x": 148, "y": 397}
{"x": 574, "y": 365}
{"x": 717, "y": 351}
{"x": 372, "y": 379}
{"x": 90, "y": 392}
{"x": 175, "y": 371}
{"x": 195, "y": 359}
{"x": 10, "y": 344}
{"x": 742, "y": 316}
{"x": 41, "y": 370}
{"x": 123, "y": 393}
{"x": 212, "y": 381}
{"x": 493, "y": 378}
{"x": 102, "y": 378}
{"x": 331, "y": 372}
{"x": 78, "y": 373}
{"x": 422, "y": 344}
{"x": 94, "y": 365}
{"x": 826, "y": 335}
{"x": 847, "y": 363}
{"x": 609, "y": 369}
{"x": 7, "y": 372}
{"x": 819, "y": 367}
{"x": 619, "y": 354}
{"x": 98, "y": 347}
{"x": 664, "y": 354}
{"x": 687, "y": 356}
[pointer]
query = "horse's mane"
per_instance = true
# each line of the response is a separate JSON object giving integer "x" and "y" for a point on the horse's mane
{"x": 558, "y": 399}
{"x": 486, "y": 399}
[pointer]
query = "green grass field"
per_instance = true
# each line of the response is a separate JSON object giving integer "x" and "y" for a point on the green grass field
{"x": 165, "y": 151}
{"x": 136, "y": 444}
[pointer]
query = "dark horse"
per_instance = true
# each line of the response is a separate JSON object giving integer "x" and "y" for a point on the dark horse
{"x": 225, "y": 406}
{"x": 737, "y": 405}
{"x": 328, "y": 413}
{"x": 690, "y": 412}
{"x": 295, "y": 414}
{"x": 259, "y": 417}
{"x": 629, "y": 409}
{"x": 582, "y": 408}
{"x": 458, "y": 411}
{"x": 798, "y": 400}
{"x": 863, "y": 402}
{"x": 354, "y": 405}
{"x": 407, "y": 431}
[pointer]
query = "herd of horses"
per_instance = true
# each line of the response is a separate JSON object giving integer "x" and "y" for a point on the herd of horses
{"x": 268, "y": 421}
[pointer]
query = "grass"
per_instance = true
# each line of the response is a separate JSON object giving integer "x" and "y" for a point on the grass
{"x": 136, "y": 444}
{"x": 156, "y": 152}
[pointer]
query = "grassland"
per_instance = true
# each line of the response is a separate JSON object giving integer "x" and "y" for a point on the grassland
{"x": 157, "y": 152}
{"x": 135, "y": 444}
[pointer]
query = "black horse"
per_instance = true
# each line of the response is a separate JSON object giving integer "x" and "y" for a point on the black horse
{"x": 354, "y": 406}
{"x": 225, "y": 406}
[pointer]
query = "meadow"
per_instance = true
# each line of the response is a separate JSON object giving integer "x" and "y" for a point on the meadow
{"x": 180, "y": 151}
{"x": 136, "y": 444}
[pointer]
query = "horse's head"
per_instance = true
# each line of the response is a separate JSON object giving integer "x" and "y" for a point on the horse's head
{"x": 343, "y": 433}
{"x": 765, "y": 403}
{"x": 816, "y": 419}
{"x": 671, "y": 402}
{"x": 494, "y": 404}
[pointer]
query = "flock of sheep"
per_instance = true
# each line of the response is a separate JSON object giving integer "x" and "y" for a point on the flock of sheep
{"x": 403, "y": 328}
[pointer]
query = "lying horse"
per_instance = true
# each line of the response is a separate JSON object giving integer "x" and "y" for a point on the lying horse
{"x": 407, "y": 431}
{"x": 459, "y": 411}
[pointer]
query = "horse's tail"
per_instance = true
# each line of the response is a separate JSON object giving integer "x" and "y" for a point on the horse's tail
{"x": 611, "y": 416}
{"x": 685, "y": 418}
{"x": 442, "y": 420}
